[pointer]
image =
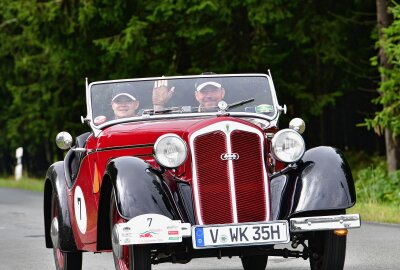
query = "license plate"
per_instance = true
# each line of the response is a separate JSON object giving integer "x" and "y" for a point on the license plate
{"x": 244, "y": 234}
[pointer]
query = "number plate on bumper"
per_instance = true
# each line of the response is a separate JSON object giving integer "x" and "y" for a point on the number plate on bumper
{"x": 244, "y": 234}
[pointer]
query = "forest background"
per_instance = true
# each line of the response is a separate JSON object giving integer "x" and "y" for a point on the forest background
{"x": 332, "y": 62}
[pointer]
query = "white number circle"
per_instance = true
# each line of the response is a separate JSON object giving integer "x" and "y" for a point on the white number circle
{"x": 80, "y": 209}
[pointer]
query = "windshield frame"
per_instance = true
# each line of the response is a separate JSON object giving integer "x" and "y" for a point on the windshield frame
{"x": 98, "y": 128}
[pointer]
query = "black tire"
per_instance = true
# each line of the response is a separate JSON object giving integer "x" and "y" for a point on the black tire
{"x": 63, "y": 260}
{"x": 139, "y": 258}
{"x": 328, "y": 251}
{"x": 133, "y": 257}
{"x": 254, "y": 262}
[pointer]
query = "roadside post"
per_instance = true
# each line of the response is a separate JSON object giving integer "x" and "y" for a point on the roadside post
{"x": 18, "y": 169}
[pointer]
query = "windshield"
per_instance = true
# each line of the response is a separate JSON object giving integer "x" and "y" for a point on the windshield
{"x": 110, "y": 100}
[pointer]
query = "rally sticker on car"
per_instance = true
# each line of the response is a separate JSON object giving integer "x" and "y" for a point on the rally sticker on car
{"x": 151, "y": 228}
{"x": 264, "y": 108}
{"x": 80, "y": 209}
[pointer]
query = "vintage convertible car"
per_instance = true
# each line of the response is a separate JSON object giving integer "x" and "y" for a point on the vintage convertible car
{"x": 199, "y": 176}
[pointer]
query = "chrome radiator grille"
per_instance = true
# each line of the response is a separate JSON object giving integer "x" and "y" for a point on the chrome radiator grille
{"x": 229, "y": 176}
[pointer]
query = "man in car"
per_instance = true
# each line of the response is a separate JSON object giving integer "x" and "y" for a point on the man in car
{"x": 208, "y": 93}
{"x": 124, "y": 105}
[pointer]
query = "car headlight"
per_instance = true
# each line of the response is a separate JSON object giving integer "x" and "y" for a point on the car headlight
{"x": 170, "y": 151}
{"x": 288, "y": 146}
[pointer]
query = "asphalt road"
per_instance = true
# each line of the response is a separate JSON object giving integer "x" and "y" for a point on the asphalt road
{"x": 374, "y": 246}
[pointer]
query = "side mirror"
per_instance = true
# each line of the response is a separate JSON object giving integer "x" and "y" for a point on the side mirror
{"x": 64, "y": 140}
{"x": 297, "y": 124}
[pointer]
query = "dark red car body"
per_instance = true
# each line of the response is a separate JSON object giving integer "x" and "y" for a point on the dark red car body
{"x": 120, "y": 159}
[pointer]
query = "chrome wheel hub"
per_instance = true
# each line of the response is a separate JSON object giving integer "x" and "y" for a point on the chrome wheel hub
{"x": 116, "y": 247}
{"x": 54, "y": 231}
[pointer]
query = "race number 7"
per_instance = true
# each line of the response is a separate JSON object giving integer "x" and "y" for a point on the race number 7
{"x": 80, "y": 208}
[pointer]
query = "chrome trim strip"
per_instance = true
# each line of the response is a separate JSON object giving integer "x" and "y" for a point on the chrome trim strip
{"x": 231, "y": 176}
{"x": 124, "y": 147}
{"x": 321, "y": 223}
{"x": 98, "y": 129}
{"x": 181, "y": 77}
{"x": 176, "y": 116}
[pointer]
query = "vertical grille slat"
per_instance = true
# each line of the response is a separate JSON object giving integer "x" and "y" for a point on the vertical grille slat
{"x": 249, "y": 180}
{"x": 230, "y": 181}
{"x": 213, "y": 178}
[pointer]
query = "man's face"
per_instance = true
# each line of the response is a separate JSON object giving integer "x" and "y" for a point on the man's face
{"x": 209, "y": 96}
{"x": 124, "y": 106}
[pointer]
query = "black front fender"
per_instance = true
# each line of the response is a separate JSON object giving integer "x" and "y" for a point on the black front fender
{"x": 138, "y": 190}
{"x": 56, "y": 183}
{"x": 321, "y": 182}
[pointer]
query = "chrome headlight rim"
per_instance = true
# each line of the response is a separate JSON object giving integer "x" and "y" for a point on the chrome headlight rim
{"x": 274, "y": 145}
{"x": 157, "y": 144}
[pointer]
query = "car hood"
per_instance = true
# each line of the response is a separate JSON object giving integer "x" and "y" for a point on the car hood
{"x": 143, "y": 133}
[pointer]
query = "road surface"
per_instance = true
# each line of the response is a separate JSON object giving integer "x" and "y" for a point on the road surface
{"x": 374, "y": 246}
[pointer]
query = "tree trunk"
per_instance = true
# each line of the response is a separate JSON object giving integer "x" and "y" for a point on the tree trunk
{"x": 384, "y": 20}
{"x": 392, "y": 151}
{"x": 392, "y": 144}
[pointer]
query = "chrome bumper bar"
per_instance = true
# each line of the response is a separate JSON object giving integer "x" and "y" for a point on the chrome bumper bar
{"x": 321, "y": 223}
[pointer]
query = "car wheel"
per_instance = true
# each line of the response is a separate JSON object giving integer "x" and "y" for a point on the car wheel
{"x": 328, "y": 251}
{"x": 63, "y": 260}
{"x": 254, "y": 262}
{"x": 132, "y": 257}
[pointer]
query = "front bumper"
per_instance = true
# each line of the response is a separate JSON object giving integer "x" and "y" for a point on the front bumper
{"x": 153, "y": 228}
{"x": 322, "y": 223}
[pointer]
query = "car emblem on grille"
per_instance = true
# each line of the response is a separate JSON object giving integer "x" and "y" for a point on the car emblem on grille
{"x": 230, "y": 156}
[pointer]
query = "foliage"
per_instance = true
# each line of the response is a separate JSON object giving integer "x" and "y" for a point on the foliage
{"x": 314, "y": 48}
{"x": 375, "y": 185}
{"x": 376, "y": 212}
{"x": 359, "y": 160}
{"x": 389, "y": 88}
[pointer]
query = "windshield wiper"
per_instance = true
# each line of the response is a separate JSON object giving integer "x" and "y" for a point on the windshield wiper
{"x": 189, "y": 109}
{"x": 153, "y": 112}
{"x": 183, "y": 109}
{"x": 239, "y": 103}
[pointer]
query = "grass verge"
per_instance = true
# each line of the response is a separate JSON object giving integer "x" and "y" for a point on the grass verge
{"x": 24, "y": 183}
{"x": 374, "y": 212}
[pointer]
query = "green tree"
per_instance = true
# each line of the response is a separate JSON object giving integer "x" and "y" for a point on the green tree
{"x": 40, "y": 81}
{"x": 7, "y": 29}
{"x": 315, "y": 50}
{"x": 387, "y": 120}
